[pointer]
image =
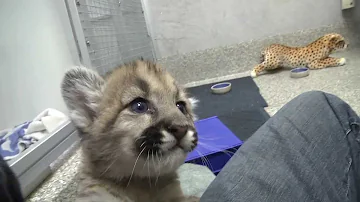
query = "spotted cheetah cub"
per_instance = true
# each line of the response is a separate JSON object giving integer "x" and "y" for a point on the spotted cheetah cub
{"x": 314, "y": 55}
{"x": 136, "y": 127}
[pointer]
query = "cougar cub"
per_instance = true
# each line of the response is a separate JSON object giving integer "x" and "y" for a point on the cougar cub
{"x": 136, "y": 127}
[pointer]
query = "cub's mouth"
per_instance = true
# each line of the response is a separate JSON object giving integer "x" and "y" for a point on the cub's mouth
{"x": 165, "y": 140}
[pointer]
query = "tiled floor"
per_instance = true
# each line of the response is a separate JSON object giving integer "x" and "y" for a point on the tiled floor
{"x": 278, "y": 88}
{"x": 232, "y": 59}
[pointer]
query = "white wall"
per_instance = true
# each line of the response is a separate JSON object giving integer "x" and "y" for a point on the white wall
{"x": 181, "y": 26}
{"x": 36, "y": 47}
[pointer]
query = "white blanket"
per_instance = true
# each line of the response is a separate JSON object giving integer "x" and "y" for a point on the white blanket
{"x": 15, "y": 140}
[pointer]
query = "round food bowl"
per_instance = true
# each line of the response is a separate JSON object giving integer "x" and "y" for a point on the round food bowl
{"x": 299, "y": 72}
{"x": 221, "y": 88}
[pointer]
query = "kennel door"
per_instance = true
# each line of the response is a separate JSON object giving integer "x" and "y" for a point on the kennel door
{"x": 110, "y": 32}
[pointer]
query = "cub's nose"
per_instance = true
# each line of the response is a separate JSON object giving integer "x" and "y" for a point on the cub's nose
{"x": 178, "y": 131}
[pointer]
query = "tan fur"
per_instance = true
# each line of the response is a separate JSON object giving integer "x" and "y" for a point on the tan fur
{"x": 314, "y": 55}
{"x": 114, "y": 168}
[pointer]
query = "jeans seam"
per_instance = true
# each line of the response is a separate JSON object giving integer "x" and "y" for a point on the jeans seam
{"x": 350, "y": 163}
{"x": 349, "y": 160}
{"x": 337, "y": 117}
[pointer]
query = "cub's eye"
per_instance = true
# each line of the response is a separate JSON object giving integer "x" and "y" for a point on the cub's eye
{"x": 182, "y": 106}
{"x": 139, "y": 105}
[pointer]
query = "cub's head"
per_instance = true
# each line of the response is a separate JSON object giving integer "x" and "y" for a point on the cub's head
{"x": 136, "y": 121}
{"x": 336, "y": 42}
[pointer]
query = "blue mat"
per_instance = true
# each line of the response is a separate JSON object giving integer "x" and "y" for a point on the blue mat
{"x": 216, "y": 141}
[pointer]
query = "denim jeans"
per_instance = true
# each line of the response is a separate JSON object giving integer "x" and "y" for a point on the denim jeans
{"x": 9, "y": 186}
{"x": 308, "y": 151}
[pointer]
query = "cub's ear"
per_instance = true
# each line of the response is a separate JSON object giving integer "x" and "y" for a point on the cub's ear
{"x": 82, "y": 90}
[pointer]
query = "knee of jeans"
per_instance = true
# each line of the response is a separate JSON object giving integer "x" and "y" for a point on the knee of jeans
{"x": 335, "y": 102}
{"x": 313, "y": 95}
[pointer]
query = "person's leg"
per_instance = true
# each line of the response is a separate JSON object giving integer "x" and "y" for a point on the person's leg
{"x": 9, "y": 186}
{"x": 308, "y": 151}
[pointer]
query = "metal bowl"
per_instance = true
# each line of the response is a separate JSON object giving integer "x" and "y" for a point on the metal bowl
{"x": 299, "y": 72}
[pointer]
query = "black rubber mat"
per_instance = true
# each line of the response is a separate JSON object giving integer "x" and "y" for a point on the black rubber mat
{"x": 245, "y": 122}
{"x": 241, "y": 109}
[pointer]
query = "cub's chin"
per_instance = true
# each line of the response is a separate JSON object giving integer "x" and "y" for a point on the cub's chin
{"x": 157, "y": 164}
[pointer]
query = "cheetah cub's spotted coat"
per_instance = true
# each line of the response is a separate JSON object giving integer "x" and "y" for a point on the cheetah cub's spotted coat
{"x": 136, "y": 127}
{"x": 314, "y": 55}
